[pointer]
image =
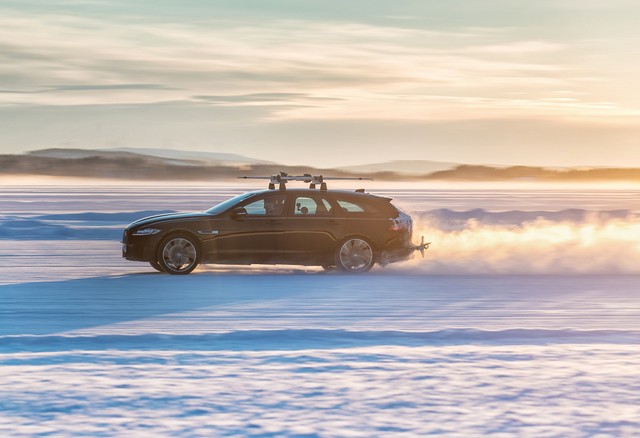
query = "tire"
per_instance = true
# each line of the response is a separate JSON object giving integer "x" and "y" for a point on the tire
{"x": 156, "y": 266}
{"x": 355, "y": 255}
{"x": 178, "y": 254}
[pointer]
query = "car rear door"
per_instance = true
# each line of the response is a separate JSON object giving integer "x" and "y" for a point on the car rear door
{"x": 364, "y": 217}
{"x": 311, "y": 229}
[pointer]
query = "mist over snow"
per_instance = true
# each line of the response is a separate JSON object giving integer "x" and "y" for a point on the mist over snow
{"x": 528, "y": 232}
{"x": 597, "y": 243}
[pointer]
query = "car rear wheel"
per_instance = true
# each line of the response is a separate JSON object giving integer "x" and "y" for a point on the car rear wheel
{"x": 355, "y": 255}
{"x": 178, "y": 255}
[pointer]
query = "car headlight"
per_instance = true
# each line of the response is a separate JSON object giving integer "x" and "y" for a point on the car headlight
{"x": 146, "y": 232}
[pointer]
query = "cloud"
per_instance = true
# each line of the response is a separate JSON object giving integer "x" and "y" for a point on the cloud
{"x": 109, "y": 87}
{"x": 69, "y": 43}
{"x": 321, "y": 70}
{"x": 262, "y": 99}
{"x": 89, "y": 87}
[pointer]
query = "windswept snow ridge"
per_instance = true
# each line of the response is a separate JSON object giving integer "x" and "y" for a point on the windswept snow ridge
{"x": 308, "y": 339}
{"x": 78, "y": 226}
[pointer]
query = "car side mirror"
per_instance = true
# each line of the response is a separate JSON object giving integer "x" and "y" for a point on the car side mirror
{"x": 238, "y": 213}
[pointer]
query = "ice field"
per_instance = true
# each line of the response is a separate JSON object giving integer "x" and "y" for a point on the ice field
{"x": 521, "y": 320}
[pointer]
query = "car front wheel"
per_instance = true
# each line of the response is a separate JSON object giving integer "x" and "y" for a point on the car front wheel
{"x": 355, "y": 255}
{"x": 178, "y": 255}
{"x": 156, "y": 266}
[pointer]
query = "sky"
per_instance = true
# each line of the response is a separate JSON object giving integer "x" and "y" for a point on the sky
{"x": 327, "y": 83}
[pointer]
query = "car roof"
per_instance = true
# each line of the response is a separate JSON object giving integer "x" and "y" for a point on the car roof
{"x": 317, "y": 191}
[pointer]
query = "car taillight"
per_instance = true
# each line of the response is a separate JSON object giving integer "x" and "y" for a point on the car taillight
{"x": 398, "y": 225}
{"x": 401, "y": 223}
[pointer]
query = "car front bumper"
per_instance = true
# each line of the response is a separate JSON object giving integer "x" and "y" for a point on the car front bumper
{"x": 139, "y": 249}
{"x": 139, "y": 253}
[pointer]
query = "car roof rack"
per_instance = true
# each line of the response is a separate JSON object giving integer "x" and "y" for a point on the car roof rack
{"x": 283, "y": 178}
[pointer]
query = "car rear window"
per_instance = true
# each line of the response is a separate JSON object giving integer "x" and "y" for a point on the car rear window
{"x": 369, "y": 206}
{"x": 351, "y": 207}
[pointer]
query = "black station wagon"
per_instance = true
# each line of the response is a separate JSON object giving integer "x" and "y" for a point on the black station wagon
{"x": 347, "y": 231}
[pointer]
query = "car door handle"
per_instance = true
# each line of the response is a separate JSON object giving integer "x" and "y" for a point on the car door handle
{"x": 209, "y": 232}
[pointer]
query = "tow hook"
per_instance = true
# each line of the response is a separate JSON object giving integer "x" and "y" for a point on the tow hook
{"x": 422, "y": 247}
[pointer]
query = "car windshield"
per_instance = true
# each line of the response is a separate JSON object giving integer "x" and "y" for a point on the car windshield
{"x": 224, "y": 206}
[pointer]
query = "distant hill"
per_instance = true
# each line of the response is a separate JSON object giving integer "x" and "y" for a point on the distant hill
{"x": 529, "y": 173}
{"x": 406, "y": 167}
{"x": 164, "y": 164}
{"x": 217, "y": 158}
{"x": 65, "y": 153}
{"x": 126, "y": 164}
{"x": 177, "y": 157}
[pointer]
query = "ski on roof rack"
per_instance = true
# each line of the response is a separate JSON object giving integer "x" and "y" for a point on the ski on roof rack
{"x": 283, "y": 178}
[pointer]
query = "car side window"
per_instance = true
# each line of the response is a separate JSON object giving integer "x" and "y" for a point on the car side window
{"x": 305, "y": 206}
{"x": 309, "y": 206}
{"x": 269, "y": 206}
{"x": 326, "y": 205}
{"x": 351, "y": 207}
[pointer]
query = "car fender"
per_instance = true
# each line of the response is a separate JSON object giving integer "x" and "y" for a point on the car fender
{"x": 375, "y": 246}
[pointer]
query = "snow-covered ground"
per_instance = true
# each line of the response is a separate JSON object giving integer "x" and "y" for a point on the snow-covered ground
{"x": 522, "y": 320}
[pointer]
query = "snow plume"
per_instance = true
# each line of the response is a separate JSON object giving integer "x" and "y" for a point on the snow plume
{"x": 596, "y": 243}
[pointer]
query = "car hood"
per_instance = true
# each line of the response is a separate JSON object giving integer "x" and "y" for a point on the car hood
{"x": 166, "y": 217}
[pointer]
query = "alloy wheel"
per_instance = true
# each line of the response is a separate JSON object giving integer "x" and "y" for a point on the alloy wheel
{"x": 179, "y": 256}
{"x": 356, "y": 255}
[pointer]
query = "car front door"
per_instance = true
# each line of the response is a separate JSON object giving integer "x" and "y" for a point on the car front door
{"x": 249, "y": 232}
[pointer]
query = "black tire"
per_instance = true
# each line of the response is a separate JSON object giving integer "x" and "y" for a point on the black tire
{"x": 178, "y": 254}
{"x": 355, "y": 255}
{"x": 156, "y": 266}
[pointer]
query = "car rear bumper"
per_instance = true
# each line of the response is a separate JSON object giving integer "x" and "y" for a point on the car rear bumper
{"x": 397, "y": 249}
